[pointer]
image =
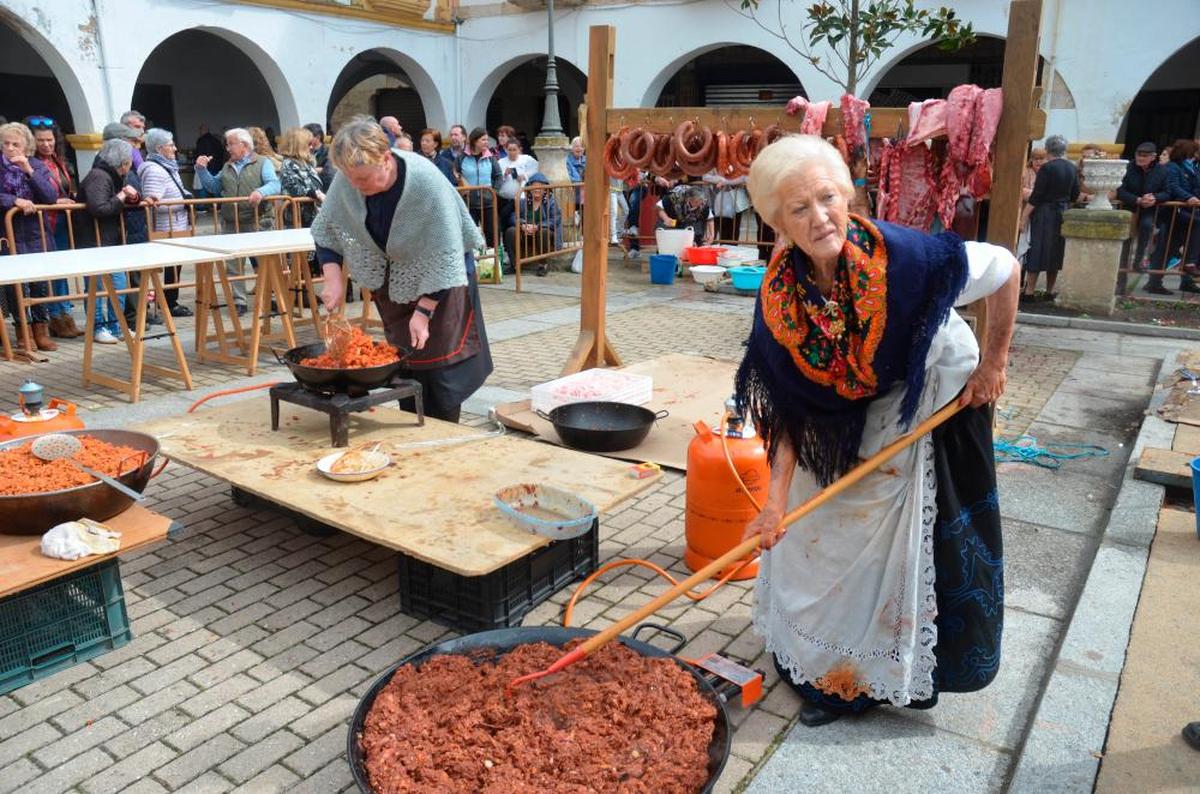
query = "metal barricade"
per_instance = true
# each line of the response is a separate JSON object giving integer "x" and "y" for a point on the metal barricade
{"x": 1164, "y": 240}
{"x": 86, "y": 231}
{"x": 546, "y": 225}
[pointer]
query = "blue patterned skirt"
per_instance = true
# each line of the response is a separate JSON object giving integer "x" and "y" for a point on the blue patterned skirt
{"x": 968, "y": 565}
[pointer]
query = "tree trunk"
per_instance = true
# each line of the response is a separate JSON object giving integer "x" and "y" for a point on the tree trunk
{"x": 852, "y": 60}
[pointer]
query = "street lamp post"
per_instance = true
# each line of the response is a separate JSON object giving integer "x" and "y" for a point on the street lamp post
{"x": 550, "y": 146}
{"x": 551, "y": 124}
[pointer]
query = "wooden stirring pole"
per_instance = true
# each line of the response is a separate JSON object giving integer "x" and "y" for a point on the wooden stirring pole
{"x": 745, "y": 548}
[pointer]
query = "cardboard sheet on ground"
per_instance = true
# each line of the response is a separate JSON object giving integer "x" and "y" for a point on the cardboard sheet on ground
{"x": 690, "y": 387}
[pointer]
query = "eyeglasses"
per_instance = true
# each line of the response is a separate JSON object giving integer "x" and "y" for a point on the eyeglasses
{"x": 41, "y": 122}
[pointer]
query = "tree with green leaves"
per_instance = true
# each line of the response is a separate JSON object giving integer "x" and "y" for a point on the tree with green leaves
{"x": 855, "y": 33}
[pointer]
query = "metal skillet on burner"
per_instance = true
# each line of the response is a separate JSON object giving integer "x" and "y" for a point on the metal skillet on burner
{"x": 355, "y": 382}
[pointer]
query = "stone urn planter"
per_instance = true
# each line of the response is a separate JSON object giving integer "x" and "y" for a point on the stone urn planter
{"x": 1102, "y": 176}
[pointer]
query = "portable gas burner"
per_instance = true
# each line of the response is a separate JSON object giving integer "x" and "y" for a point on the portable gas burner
{"x": 339, "y": 405}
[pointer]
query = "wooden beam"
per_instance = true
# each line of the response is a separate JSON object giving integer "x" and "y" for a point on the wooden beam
{"x": 1013, "y": 134}
{"x": 592, "y": 348}
{"x": 884, "y": 121}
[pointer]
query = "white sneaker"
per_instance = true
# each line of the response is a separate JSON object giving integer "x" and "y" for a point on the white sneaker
{"x": 105, "y": 337}
{"x": 635, "y": 253}
{"x": 631, "y": 231}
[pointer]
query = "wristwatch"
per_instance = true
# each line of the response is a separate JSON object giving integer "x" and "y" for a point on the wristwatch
{"x": 427, "y": 312}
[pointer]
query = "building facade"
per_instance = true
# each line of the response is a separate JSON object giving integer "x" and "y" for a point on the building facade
{"x": 278, "y": 63}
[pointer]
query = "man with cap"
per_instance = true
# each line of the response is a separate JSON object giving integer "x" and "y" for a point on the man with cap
{"x": 1142, "y": 190}
{"x": 538, "y": 220}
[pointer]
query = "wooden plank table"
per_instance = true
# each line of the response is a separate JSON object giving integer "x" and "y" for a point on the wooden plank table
{"x": 99, "y": 264}
{"x": 22, "y": 564}
{"x": 433, "y": 503}
{"x": 271, "y": 248}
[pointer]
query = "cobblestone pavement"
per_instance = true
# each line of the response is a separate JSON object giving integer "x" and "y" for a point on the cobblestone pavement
{"x": 253, "y": 641}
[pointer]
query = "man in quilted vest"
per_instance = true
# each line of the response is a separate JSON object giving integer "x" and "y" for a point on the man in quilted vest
{"x": 245, "y": 174}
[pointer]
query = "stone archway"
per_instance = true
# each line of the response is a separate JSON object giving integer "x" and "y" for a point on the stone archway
{"x": 1168, "y": 105}
{"x": 36, "y": 80}
{"x": 382, "y": 82}
{"x": 724, "y": 74}
{"x": 519, "y": 98}
{"x": 213, "y": 77}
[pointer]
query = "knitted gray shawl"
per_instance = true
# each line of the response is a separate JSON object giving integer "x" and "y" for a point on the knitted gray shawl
{"x": 430, "y": 233}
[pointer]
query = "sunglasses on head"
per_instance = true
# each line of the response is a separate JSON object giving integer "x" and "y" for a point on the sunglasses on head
{"x": 41, "y": 121}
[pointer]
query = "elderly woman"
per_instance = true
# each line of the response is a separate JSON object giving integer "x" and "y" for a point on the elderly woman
{"x": 298, "y": 175}
{"x": 159, "y": 174}
{"x": 866, "y": 600}
{"x": 25, "y": 182}
{"x": 392, "y": 219}
{"x": 1055, "y": 187}
{"x": 687, "y": 207}
{"x": 105, "y": 196}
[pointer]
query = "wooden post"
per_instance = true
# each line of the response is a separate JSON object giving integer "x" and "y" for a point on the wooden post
{"x": 592, "y": 348}
{"x": 1013, "y": 134}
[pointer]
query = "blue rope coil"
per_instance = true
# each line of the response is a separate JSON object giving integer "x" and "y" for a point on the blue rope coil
{"x": 1025, "y": 449}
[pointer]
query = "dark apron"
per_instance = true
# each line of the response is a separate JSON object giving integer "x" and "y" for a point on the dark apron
{"x": 456, "y": 359}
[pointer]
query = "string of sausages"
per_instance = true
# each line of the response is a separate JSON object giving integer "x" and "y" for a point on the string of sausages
{"x": 692, "y": 150}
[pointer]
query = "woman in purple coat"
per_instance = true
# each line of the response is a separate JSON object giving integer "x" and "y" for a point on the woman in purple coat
{"x": 25, "y": 182}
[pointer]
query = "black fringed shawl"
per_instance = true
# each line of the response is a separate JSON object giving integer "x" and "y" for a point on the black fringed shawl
{"x": 780, "y": 387}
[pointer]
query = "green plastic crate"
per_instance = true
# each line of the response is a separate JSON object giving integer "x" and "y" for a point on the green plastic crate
{"x": 61, "y": 623}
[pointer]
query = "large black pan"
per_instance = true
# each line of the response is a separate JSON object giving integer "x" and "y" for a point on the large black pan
{"x": 322, "y": 379}
{"x": 33, "y": 514}
{"x": 500, "y": 642}
{"x": 602, "y": 426}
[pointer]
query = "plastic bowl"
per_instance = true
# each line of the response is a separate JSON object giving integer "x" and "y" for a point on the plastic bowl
{"x": 703, "y": 255}
{"x": 747, "y": 277}
{"x": 378, "y": 460}
{"x": 706, "y": 274}
{"x": 550, "y": 512}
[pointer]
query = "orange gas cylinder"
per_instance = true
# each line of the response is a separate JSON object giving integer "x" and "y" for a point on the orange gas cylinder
{"x": 34, "y": 420}
{"x": 717, "y": 509}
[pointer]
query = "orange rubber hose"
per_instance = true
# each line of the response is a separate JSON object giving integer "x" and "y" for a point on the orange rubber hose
{"x": 227, "y": 392}
{"x": 570, "y": 608}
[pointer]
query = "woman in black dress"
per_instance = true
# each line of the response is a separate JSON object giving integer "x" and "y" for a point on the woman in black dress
{"x": 398, "y": 225}
{"x": 1054, "y": 189}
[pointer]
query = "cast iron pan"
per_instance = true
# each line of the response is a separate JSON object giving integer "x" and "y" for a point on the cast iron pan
{"x": 500, "y": 642}
{"x": 321, "y": 379}
{"x": 602, "y": 426}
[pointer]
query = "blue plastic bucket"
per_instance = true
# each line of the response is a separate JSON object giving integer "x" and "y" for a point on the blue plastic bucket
{"x": 1196, "y": 491}
{"x": 662, "y": 268}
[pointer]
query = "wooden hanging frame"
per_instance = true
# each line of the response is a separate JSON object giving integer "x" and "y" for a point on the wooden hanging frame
{"x": 1020, "y": 122}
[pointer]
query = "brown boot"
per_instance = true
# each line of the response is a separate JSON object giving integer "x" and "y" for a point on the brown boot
{"x": 41, "y": 337}
{"x": 57, "y": 327}
{"x": 70, "y": 328}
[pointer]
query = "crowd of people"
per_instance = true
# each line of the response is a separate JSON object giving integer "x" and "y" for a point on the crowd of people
{"x": 140, "y": 166}
{"x": 1152, "y": 179}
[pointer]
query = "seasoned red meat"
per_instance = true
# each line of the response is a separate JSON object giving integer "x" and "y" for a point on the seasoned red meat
{"x": 854, "y": 112}
{"x": 616, "y": 721}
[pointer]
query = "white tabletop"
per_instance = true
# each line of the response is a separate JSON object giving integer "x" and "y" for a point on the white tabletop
{"x": 276, "y": 241}
{"x": 95, "y": 261}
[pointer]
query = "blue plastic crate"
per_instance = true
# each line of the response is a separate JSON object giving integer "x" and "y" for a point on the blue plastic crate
{"x": 61, "y": 623}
